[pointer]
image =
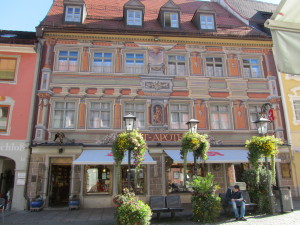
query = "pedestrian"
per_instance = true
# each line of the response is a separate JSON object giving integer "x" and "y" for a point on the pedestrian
{"x": 235, "y": 198}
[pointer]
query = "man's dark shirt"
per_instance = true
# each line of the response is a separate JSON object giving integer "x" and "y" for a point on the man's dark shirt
{"x": 233, "y": 195}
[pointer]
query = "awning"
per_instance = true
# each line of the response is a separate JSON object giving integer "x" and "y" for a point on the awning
{"x": 214, "y": 156}
{"x": 285, "y": 28}
{"x": 105, "y": 157}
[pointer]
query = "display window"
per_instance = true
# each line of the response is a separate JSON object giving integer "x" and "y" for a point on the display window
{"x": 98, "y": 179}
{"x": 138, "y": 183}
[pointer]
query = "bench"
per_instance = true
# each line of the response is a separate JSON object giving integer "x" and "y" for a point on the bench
{"x": 227, "y": 208}
{"x": 162, "y": 204}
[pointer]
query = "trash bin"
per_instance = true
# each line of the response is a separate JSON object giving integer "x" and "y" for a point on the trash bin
{"x": 286, "y": 200}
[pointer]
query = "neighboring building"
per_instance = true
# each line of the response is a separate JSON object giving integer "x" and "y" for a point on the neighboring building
{"x": 284, "y": 25}
{"x": 165, "y": 62}
{"x": 18, "y": 72}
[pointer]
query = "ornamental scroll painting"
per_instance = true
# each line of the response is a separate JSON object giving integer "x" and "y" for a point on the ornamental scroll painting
{"x": 156, "y": 58}
{"x": 157, "y": 117}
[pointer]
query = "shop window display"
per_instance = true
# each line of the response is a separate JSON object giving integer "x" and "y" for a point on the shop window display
{"x": 175, "y": 176}
{"x": 98, "y": 179}
{"x": 140, "y": 187}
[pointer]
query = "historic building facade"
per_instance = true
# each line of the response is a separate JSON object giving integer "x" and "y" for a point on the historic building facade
{"x": 163, "y": 61}
{"x": 18, "y": 73}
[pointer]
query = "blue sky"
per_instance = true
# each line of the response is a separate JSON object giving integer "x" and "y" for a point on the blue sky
{"x": 25, "y": 15}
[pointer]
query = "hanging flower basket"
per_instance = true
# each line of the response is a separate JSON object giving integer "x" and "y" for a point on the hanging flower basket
{"x": 265, "y": 146}
{"x": 133, "y": 141}
{"x": 196, "y": 143}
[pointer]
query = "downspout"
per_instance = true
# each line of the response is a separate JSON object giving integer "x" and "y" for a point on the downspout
{"x": 33, "y": 113}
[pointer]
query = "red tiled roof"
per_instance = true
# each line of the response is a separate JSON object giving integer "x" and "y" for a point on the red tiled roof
{"x": 107, "y": 16}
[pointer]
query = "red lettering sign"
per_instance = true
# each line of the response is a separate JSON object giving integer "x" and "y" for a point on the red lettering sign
{"x": 214, "y": 153}
{"x": 109, "y": 154}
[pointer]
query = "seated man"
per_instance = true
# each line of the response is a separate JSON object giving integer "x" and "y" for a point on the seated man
{"x": 235, "y": 199}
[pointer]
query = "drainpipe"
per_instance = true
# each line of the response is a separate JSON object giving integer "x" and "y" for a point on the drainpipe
{"x": 33, "y": 114}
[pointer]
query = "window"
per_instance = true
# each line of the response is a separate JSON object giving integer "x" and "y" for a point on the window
{"x": 4, "y": 116}
{"x": 220, "y": 117}
{"x": 174, "y": 176}
{"x": 171, "y": 20}
{"x": 179, "y": 116}
{"x": 7, "y": 68}
{"x": 64, "y": 115}
{"x": 134, "y": 17}
{"x": 207, "y": 22}
{"x": 134, "y": 63}
{"x": 98, "y": 179}
{"x": 176, "y": 65}
{"x": 214, "y": 67}
{"x": 251, "y": 68}
{"x": 73, "y": 14}
{"x": 102, "y": 62}
{"x": 67, "y": 61}
{"x": 99, "y": 115}
{"x": 140, "y": 187}
{"x": 297, "y": 109}
{"x": 138, "y": 110}
{"x": 254, "y": 111}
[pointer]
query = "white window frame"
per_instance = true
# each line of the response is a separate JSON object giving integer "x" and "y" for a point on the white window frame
{"x": 68, "y": 57}
{"x": 135, "y": 111}
{"x": 100, "y": 111}
{"x": 181, "y": 112}
{"x": 177, "y": 61}
{"x": 294, "y": 97}
{"x": 14, "y": 81}
{"x": 219, "y": 115}
{"x": 250, "y": 64}
{"x": 102, "y": 68}
{"x": 253, "y": 115}
{"x": 135, "y": 20}
{"x": 8, "y": 102}
{"x": 62, "y": 124}
{"x": 135, "y": 68}
{"x": 205, "y": 24}
{"x": 215, "y": 63}
{"x": 73, "y": 16}
{"x": 174, "y": 22}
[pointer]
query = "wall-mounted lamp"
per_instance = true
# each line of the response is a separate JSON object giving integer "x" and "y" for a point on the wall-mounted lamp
{"x": 60, "y": 150}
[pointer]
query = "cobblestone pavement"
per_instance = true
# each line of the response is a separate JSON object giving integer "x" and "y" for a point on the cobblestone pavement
{"x": 105, "y": 216}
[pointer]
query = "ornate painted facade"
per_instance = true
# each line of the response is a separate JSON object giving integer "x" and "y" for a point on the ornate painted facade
{"x": 163, "y": 61}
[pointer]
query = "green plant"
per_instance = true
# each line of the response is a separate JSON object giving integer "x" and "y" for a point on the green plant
{"x": 131, "y": 211}
{"x": 206, "y": 206}
{"x": 265, "y": 146}
{"x": 196, "y": 143}
{"x": 133, "y": 141}
{"x": 258, "y": 190}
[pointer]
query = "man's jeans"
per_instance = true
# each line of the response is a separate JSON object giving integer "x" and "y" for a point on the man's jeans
{"x": 234, "y": 206}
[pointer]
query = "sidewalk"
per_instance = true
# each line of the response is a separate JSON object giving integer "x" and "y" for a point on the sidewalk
{"x": 105, "y": 216}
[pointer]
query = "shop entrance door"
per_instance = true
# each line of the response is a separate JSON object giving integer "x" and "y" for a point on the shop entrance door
{"x": 59, "y": 185}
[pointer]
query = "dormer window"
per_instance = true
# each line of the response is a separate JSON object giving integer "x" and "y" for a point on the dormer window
{"x": 169, "y": 15}
{"x": 171, "y": 19}
{"x": 207, "y": 22}
{"x": 134, "y": 13}
{"x": 73, "y": 14}
{"x": 134, "y": 17}
{"x": 204, "y": 18}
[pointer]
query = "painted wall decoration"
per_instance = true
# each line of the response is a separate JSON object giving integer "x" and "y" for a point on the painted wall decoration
{"x": 157, "y": 114}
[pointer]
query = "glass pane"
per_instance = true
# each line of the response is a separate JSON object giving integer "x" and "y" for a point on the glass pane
{"x": 59, "y": 105}
{"x": 63, "y": 53}
{"x": 77, "y": 10}
{"x": 129, "y": 55}
{"x": 107, "y": 55}
{"x": 98, "y": 54}
{"x": 175, "y": 107}
{"x": 73, "y": 54}
{"x": 70, "y": 105}
{"x": 58, "y": 118}
{"x": 167, "y": 20}
{"x": 69, "y": 120}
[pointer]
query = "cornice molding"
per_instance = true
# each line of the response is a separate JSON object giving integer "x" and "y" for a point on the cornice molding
{"x": 163, "y": 39}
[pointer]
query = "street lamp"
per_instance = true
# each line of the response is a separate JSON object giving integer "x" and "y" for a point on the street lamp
{"x": 192, "y": 126}
{"x": 129, "y": 120}
{"x": 262, "y": 128}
